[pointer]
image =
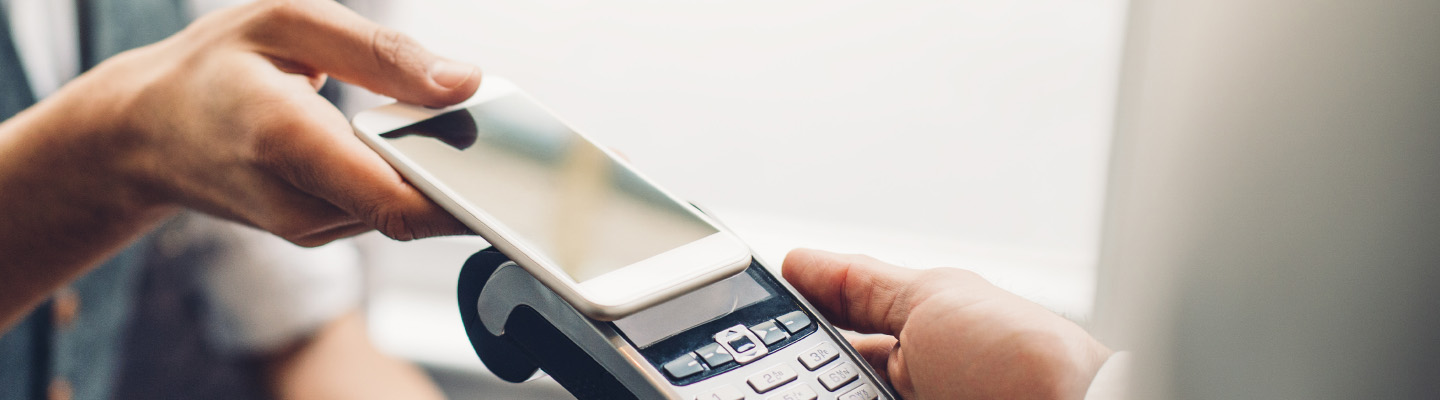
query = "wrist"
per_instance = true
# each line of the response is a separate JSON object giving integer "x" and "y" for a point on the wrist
{"x": 76, "y": 149}
{"x": 1055, "y": 364}
{"x": 65, "y": 210}
{"x": 1010, "y": 347}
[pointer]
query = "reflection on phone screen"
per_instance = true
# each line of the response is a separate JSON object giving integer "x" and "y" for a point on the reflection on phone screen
{"x": 561, "y": 195}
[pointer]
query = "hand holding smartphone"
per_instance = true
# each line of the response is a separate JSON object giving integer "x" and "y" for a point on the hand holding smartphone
{"x": 581, "y": 220}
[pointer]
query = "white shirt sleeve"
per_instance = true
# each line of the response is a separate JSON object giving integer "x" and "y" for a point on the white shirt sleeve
{"x": 1113, "y": 379}
{"x": 262, "y": 292}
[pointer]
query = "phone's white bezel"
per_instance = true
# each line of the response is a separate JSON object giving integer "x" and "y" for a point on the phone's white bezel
{"x": 610, "y": 296}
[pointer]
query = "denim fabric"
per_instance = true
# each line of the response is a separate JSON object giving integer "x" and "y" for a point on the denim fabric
{"x": 109, "y": 27}
{"x": 84, "y": 353}
{"x": 17, "y": 361}
{"x": 17, "y": 358}
{"x": 87, "y": 353}
{"x": 169, "y": 353}
{"x": 16, "y": 94}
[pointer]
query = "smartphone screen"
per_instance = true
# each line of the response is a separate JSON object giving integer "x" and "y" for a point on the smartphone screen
{"x": 553, "y": 190}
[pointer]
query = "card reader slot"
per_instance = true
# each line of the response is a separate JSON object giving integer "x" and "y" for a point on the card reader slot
{"x": 560, "y": 357}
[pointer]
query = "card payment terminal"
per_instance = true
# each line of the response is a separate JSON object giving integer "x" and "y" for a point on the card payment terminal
{"x": 749, "y": 336}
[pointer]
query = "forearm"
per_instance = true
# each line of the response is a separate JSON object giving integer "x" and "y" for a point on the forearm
{"x": 65, "y": 209}
{"x": 339, "y": 362}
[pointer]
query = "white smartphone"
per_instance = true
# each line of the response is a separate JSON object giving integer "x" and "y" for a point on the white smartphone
{"x": 570, "y": 212}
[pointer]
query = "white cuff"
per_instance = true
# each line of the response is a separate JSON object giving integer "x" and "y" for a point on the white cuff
{"x": 265, "y": 293}
{"x": 1112, "y": 380}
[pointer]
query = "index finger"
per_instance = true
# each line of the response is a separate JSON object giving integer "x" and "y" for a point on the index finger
{"x": 330, "y": 38}
{"x": 310, "y": 145}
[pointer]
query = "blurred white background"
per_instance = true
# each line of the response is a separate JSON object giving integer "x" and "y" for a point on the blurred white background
{"x": 962, "y": 133}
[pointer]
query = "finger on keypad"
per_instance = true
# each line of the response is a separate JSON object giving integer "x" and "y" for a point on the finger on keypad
{"x": 875, "y": 349}
{"x": 856, "y": 292}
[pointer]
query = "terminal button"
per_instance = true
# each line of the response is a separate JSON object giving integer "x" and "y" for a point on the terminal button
{"x": 795, "y": 392}
{"x": 741, "y": 343}
{"x": 769, "y": 332}
{"x": 726, "y": 392}
{"x": 684, "y": 366}
{"x": 864, "y": 392}
{"x": 817, "y": 356}
{"x": 715, "y": 356}
{"x": 771, "y": 378}
{"x": 838, "y": 376}
{"x": 794, "y": 321}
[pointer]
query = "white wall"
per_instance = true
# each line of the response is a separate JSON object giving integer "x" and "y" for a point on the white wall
{"x": 980, "y": 120}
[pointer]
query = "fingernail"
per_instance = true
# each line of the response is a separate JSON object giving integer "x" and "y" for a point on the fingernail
{"x": 450, "y": 74}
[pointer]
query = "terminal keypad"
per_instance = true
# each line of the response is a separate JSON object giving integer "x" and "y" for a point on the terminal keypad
{"x": 811, "y": 369}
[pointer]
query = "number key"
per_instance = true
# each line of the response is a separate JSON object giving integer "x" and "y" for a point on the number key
{"x": 726, "y": 392}
{"x": 819, "y": 355}
{"x": 864, "y": 392}
{"x": 771, "y": 378}
{"x": 838, "y": 376}
{"x": 795, "y": 392}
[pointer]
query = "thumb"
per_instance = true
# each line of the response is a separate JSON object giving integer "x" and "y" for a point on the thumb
{"x": 876, "y": 350}
{"x": 329, "y": 38}
{"x": 855, "y": 292}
